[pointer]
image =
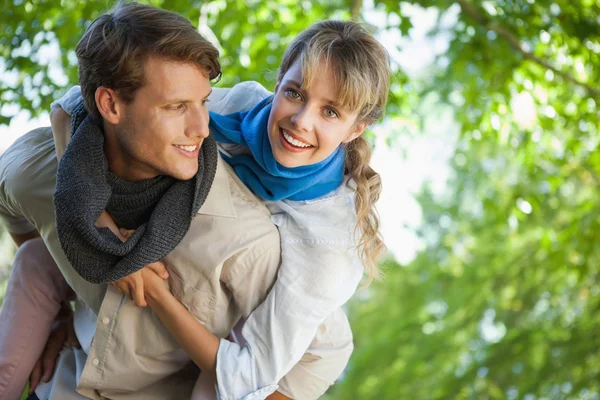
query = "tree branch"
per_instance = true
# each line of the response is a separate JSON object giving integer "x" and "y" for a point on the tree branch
{"x": 355, "y": 10}
{"x": 471, "y": 10}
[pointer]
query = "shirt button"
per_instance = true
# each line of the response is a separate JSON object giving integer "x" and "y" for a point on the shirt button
{"x": 95, "y": 362}
{"x": 105, "y": 320}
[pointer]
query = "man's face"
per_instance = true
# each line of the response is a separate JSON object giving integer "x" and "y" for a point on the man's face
{"x": 164, "y": 126}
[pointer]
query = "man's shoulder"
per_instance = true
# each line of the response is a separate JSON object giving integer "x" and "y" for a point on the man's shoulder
{"x": 29, "y": 142}
{"x": 234, "y": 209}
{"x": 28, "y": 160}
{"x": 245, "y": 203}
{"x": 233, "y": 231}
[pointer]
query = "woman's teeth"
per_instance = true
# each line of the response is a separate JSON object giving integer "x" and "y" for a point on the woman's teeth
{"x": 293, "y": 141}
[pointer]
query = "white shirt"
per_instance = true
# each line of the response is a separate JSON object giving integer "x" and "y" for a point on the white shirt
{"x": 319, "y": 272}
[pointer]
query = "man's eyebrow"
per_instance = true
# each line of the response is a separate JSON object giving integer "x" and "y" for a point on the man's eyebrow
{"x": 328, "y": 101}
{"x": 179, "y": 100}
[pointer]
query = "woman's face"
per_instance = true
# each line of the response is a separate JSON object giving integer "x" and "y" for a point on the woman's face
{"x": 306, "y": 125}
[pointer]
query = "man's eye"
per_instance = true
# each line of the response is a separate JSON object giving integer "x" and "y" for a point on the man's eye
{"x": 175, "y": 107}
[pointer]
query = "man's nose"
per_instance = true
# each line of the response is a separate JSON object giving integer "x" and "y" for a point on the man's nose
{"x": 197, "y": 123}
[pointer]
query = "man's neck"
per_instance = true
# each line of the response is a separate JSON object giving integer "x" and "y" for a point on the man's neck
{"x": 120, "y": 162}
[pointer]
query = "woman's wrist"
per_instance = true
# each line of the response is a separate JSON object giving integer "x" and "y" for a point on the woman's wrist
{"x": 157, "y": 293}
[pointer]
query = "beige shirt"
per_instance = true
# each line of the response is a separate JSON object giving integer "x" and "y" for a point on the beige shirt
{"x": 222, "y": 270}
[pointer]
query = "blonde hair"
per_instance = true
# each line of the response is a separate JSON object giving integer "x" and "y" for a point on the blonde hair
{"x": 361, "y": 70}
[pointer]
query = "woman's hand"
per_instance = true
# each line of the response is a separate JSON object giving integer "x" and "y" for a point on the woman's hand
{"x": 144, "y": 283}
{"x": 105, "y": 220}
{"x": 61, "y": 130}
{"x": 155, "y": 287}
{"x": 136, "y": 284}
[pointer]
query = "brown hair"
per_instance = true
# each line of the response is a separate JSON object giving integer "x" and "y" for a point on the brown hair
{"x": 361, "y": 70}
{"x": 114, "y": 48}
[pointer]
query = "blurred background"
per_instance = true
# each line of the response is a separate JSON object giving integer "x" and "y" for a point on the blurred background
{"x": 490, "y": 165}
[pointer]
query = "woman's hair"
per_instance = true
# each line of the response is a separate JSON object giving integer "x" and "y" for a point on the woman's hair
{"x": 360, "y": 68}
{"x": 113, "y": 51}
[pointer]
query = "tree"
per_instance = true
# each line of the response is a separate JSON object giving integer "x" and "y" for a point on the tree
{"x": 504, "y": 300}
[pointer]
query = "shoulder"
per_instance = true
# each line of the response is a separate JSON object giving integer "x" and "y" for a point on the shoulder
{"x": 29, "y": 159}
{"x": 321, "y": 271}
{"x": 27, "y": 177}
{"x": 237, "y": 217}
{"x": 241, "y": 97}
{"x": 329, "y": 220}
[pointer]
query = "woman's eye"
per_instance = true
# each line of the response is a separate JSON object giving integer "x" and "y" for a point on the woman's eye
{"x": 331, "y": 113}
{"x": 292, "y": 94}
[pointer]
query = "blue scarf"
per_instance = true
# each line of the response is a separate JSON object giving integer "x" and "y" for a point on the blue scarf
{"x": 259, "y": 170}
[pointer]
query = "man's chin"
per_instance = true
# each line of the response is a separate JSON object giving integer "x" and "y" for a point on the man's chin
{"x": 184, "y": 175}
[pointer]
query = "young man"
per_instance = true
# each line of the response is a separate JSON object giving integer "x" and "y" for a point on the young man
{"x": 145, "y": 76}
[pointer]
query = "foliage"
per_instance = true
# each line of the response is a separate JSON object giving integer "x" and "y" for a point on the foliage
{"x": 253, "y": 36}
{"x": 503, "y": 301}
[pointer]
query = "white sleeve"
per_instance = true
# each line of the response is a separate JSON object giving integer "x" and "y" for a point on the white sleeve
{"x": 323, "y": 362}
{"x": 70, "y": 100}
{"x": 241, "y": 97}
{"x": 314, "y": 280}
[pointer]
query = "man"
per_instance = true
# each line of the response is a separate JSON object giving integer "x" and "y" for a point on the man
{"x": 145, "y": 76}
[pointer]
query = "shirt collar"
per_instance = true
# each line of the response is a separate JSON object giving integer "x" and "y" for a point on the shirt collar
{"x": 219, "y": 202}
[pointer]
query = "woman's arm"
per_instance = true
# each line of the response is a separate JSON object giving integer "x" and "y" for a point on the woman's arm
{"x": 131, "y": 285}
{"x": 199, "y": 343}
{"x": 278, "y": 332}
{"x": 60, "y": 118}
{"x": 61, "y": 129}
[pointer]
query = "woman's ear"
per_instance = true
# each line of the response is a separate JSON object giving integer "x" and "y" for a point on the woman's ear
{"x": 108, "y": 104}
{"x": 356, "y": 131}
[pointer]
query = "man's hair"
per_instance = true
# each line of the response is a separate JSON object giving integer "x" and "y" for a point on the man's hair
{"x": 114, "y": 48}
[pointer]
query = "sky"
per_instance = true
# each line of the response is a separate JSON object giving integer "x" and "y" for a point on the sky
{"x": 404, "y": 167}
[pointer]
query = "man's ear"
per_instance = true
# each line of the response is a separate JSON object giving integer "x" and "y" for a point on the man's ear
{"x": 109, "y": 105}
{"x": 358, "y": 129}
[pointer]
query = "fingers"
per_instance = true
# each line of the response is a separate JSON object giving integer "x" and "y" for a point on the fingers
{"x": 122, "y": 287}
{"x": 48, "y": 366}
{"x": 65, "y": 311}
{"x": 36, "y": 375}
{"x": 53, "y": 347}
{"x": 133, "y": 285}
{"x": 126, "y": 233}
{"x": 106, "y": 220}
{"x": 138, "y": 292}
{"x": 159, "y": 268}
{"x": 72, "y": 337}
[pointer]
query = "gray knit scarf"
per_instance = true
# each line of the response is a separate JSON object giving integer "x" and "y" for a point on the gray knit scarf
{"x": 160, "y": 209}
